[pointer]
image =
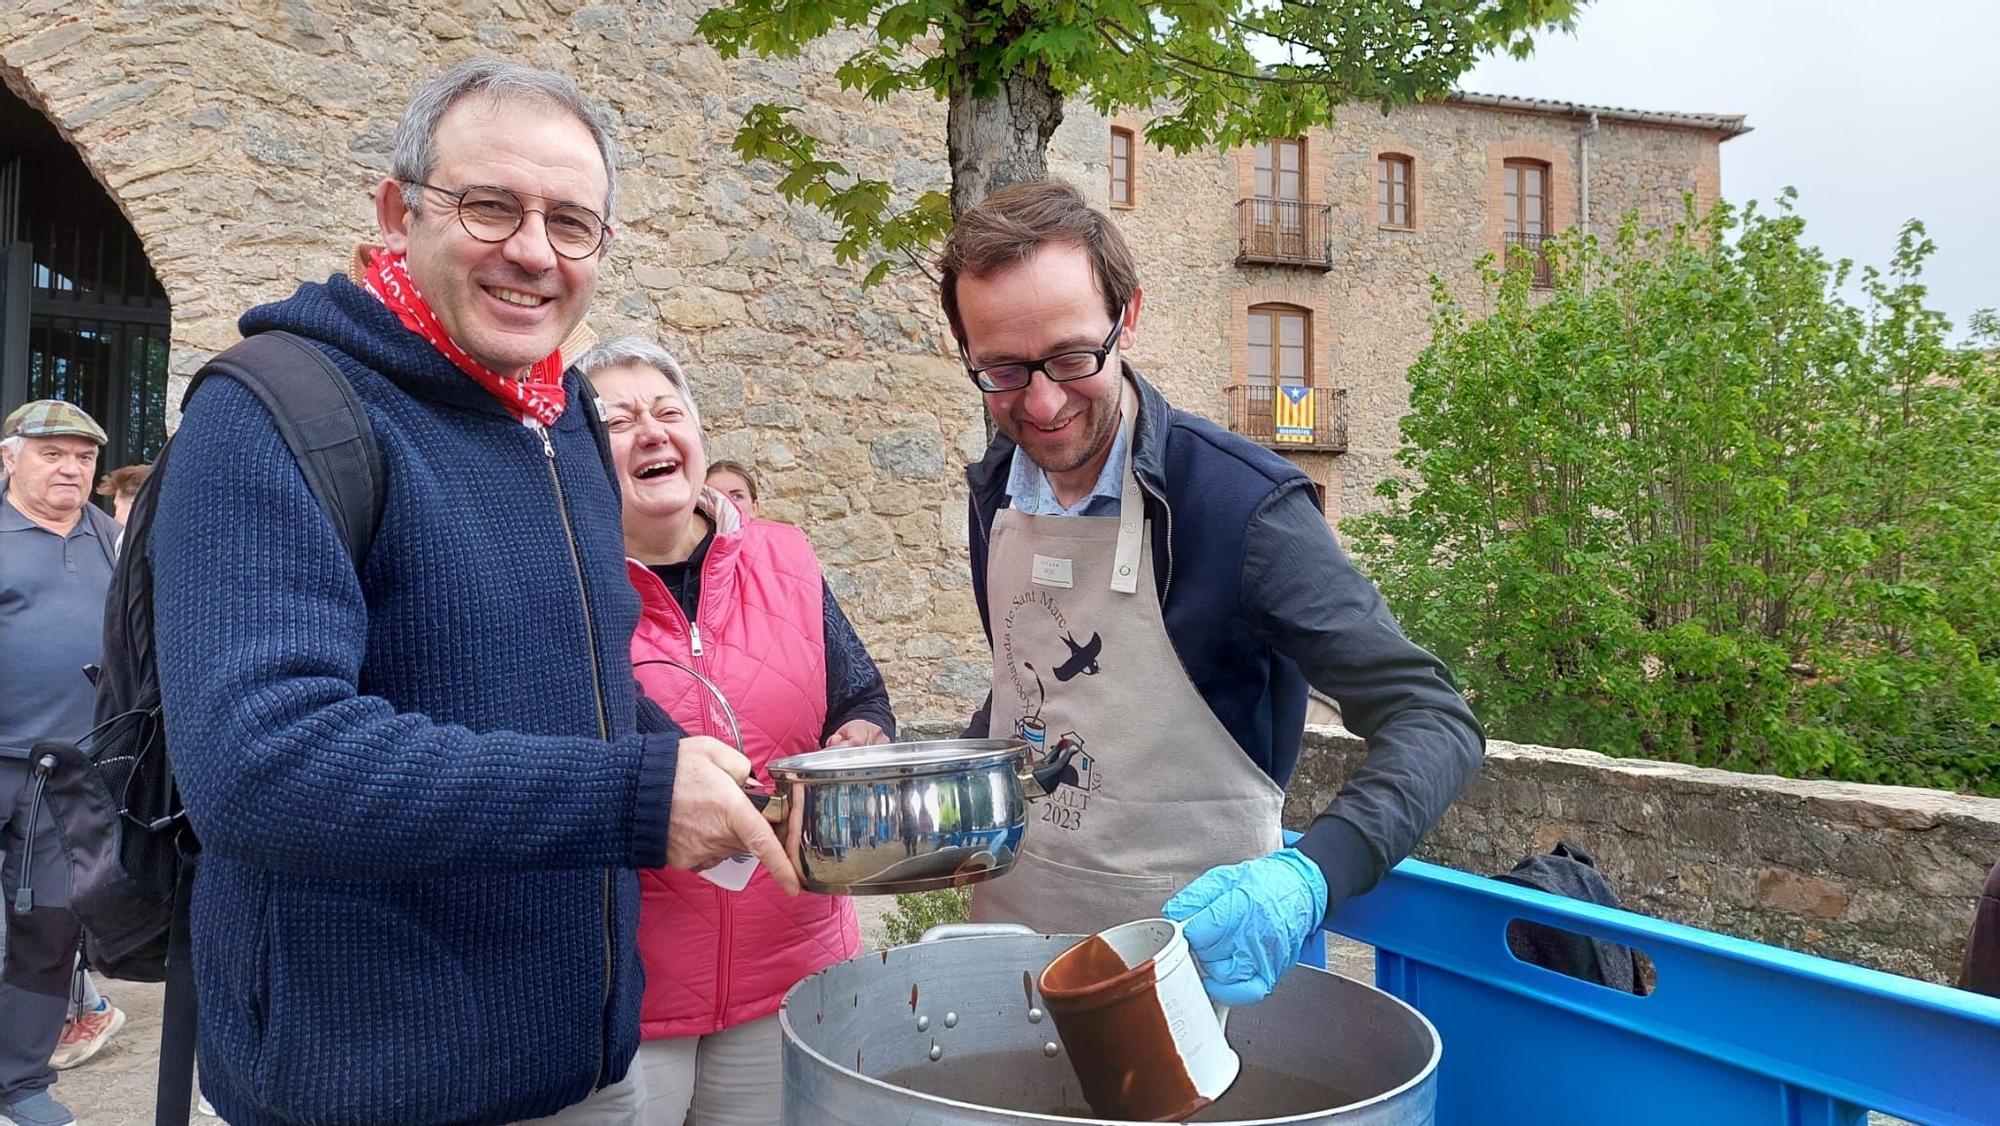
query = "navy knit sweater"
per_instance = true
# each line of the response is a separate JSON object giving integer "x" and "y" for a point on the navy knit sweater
{"x": 420, "y": 789}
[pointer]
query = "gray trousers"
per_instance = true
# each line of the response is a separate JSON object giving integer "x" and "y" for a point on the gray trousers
{"x": 41, "y": 944}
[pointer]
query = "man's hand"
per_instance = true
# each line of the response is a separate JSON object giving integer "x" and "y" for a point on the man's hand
{"x": 712, "y": 819}
{"x": 1246, "y": 923}
{"x": 857, "y": 733}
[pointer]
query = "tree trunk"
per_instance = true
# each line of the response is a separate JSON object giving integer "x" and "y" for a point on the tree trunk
{"x": 999, "y": 140}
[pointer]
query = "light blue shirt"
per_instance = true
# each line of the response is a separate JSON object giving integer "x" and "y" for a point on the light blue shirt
{"x": 1029, "y": 487}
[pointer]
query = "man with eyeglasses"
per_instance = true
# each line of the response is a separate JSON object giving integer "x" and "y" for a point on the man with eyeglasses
{"x": 422, "y": 783}
{"x": 1159, "y": 594}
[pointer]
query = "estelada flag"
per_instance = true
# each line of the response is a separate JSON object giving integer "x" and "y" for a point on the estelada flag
{"x": 1292, "y": 414}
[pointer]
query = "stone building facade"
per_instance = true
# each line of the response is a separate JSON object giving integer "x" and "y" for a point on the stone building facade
{"x": 1362, "y": 283}
{"x": 240, "y": 142}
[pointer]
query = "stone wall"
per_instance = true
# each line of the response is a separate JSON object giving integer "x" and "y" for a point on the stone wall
{"x": 1880, "y": 876}
{"x": 242, "y": 140}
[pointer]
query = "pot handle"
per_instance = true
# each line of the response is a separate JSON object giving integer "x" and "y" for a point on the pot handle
{"x": 945, "y": 931}
{"x": 772, "y": 806}
{"x": 1040, "y": 781}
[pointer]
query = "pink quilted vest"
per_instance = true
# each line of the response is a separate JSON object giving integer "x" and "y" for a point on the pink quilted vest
{"x": 714, "y": 958}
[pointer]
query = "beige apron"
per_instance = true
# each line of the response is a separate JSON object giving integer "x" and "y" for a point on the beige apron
{"x": 1161, "y": 792}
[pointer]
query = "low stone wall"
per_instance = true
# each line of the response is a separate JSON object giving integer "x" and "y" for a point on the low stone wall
{"x": 1881, "y": 876}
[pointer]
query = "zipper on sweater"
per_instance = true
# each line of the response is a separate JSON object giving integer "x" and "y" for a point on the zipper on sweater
{"x": 603, "y": 725}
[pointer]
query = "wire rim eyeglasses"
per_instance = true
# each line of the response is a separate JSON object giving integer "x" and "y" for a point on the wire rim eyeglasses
{"x": 493, "y": 214}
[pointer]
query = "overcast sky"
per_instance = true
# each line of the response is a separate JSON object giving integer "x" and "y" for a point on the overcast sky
{"x": 1876, "y": 112}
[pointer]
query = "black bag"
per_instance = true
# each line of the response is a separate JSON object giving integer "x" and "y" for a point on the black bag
{"x": 131, "y": 850}
{"x": 1568, "y": 870}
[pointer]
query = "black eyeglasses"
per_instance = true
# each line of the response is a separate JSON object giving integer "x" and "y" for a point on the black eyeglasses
{"x": 1061, "y": 368}
{"x": 492, "y": 214}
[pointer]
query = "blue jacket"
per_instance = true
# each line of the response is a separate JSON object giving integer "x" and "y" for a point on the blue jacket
{"x": 421, "y": 789}
{"x": 1259, "y": 602}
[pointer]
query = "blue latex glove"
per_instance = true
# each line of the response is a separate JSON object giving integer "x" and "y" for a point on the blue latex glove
{"x": 1246, "y": 923}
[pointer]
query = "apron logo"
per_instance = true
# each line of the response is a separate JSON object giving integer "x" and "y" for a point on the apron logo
{"x": 1082, "y": 658}
{"x": 1027, "y": 645}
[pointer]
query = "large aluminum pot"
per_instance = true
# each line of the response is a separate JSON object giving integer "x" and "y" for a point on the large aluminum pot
{"x": 908, "y": 816}
{"x": 952, "y": 1032}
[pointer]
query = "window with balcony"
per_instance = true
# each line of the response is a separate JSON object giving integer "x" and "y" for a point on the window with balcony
{"x": 1277, "y": 224}
{"x": 1276, "y": 403}
{"x": 1121, "y": 168}
{"x": 1394, "y": 192}
{"x": 1524, "y": 214}
{"x": 1280, "y": 342}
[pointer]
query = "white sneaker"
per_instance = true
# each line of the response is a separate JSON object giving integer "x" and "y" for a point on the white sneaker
{"x": 84, "y": 1036}
{"x": 202, "y": 1105}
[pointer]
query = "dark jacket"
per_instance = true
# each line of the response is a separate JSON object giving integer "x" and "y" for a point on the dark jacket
{"x": 1260, "y": 601}
{"x": 420, "y": 790}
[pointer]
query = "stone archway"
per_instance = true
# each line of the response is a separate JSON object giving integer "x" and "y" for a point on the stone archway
{"x": 83, "y": 316}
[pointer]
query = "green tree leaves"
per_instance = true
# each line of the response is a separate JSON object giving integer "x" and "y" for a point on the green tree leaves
{"x": 1694, "y": 506}
{"x": 1201, "y": 69}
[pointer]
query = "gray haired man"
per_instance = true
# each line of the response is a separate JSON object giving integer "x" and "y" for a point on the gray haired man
{"x": 422, "y": 783}
{"x": 56, "y": 552}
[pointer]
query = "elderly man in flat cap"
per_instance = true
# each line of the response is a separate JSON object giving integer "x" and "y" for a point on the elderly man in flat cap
{"x": 56, "y": 551}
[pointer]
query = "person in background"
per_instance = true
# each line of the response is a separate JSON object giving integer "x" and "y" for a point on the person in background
{"x": 745, "y": 603}
{"x": 1161, "y": 593}
{"x": 732, "y": 479}
{"x": 122, "y": 486}
{"x": 56, "y": 556}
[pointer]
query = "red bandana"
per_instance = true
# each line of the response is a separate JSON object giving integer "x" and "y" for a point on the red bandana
{"x": 537, "y": 399}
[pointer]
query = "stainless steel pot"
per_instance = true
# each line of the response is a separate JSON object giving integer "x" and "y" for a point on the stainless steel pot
{"x": 900, "y": 817}
{"x": 952, "y": 1033}
{"x": 909, "y": 816}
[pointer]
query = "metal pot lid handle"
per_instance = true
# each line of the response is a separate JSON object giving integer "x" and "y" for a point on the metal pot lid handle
{"x": 772, "y": 806}
{"x": 728, "y": 713}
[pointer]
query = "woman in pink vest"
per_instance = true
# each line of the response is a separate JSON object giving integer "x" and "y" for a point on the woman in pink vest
{"x": 745, "y": 602}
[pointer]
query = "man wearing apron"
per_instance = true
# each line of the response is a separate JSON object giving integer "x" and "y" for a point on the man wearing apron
{"x": 1159, "y": 594}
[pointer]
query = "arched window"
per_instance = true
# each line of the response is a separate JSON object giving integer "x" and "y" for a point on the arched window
{"x": 1525, "y": 205}
{"x": 1280, "y": 338}
{"x": 1524, "y": 212}
{"x": 83, "y": 318}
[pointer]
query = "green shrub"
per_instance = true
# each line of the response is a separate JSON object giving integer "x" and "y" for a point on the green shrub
{"x": 1694, "y": 506}
{"x": 917, "y": 912}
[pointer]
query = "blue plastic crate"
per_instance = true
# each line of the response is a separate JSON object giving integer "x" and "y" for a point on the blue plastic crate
{"x": 1734, "y": 1032}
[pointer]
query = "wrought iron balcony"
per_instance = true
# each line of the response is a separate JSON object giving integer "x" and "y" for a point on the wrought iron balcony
{"x": 1538, "y": 258}
{"x": 1306, "y": 418}
{"x": 1284, "y": 232}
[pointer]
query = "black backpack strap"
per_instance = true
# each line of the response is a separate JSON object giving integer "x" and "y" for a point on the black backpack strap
{"x": 321, "y": 419}
{"x": 175, "y": 1086}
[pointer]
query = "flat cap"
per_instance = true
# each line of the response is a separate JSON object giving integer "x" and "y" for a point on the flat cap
{"x": 46, "y": 418}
